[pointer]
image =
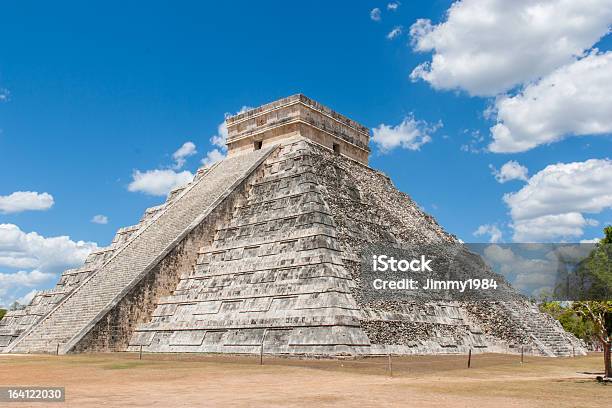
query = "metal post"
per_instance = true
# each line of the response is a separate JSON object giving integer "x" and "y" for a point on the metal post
{"x": 522, "y": 355}
{"x": 390, "y": 367}
{"x": 574, "y": 351}
{"x": 140, "y": 354}
{"x": 57, "y": 350}
{"x": 262, "y": 347}
{"x": 470, "y": 358}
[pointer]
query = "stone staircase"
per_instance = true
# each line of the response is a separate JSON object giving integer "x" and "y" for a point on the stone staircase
{"x": 546, "y": 333}
{"x": 63, "y": 327}
{"x": 16, "y": 322}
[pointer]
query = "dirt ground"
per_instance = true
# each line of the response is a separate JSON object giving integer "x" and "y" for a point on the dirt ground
{"x": 122, "y": 380}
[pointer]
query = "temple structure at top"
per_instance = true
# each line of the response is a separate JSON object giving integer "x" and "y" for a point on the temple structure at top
{"x": 297, "y": 116}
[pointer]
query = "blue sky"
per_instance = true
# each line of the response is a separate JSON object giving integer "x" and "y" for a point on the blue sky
{"x": 90, "y": 93}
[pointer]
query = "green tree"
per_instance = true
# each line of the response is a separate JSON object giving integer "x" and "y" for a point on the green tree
{"x": 2, "y": 313}
{"x": 599, "y": 312}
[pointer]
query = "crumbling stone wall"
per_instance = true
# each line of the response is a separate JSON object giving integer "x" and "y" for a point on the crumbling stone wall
{"x": 493, "y": 319}
{"x": 367, "y": 208}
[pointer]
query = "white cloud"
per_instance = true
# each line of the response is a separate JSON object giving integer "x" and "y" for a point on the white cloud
{"x": 100, "y": 219}
{"x": 574, "y": 100}
{"x": 45, "y": 256}
{"x": 394, "y": 33}
{"x": 180, "y": 156}
{"x": 549, "y": 227}
{"x": 565, "y": 187}
{"x": 497, "y": 254}
{"x": 511, "y": 170}
{"x": 25, "y": 201}
{"x": 375, "y": 14}
{"x": 36, "y": 259}
{"x": 220, "y": 141}
{"x": 21, "y": 250}
{"x": 158, "y": 182}
{"x": 162, "y": 181}
{"x": 12, "y": 285}
{"x": 393, "y": 5}
{"x": 529, "y": 275}
{"x": 494, "y": 233}
{"x": 488, "y": 47}
{"x": 27, "y": 298}
{"x": 212, "y": 157}
{"x": 552, "y": 203}
{"x": 410, "y": 134}
{"x": 25, "y": 278}
{"x": 4, "y": 95}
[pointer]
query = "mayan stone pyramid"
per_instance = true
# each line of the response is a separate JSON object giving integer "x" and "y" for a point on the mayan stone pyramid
{"x": 264, "y": 248}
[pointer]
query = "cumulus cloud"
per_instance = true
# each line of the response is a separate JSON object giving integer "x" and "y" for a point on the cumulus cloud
{"x": 212, "y": 157}
{"x": 27, "y": 298}
{"x": 396, "y": 32}
{"x": 575, "y": 99}
{"x": 531, "y": 275}
{"x": 553, "y": 202}
{"x": 220, "y": 141}
{"x": 158, "y": 182}
{"x": 25, "y": 201}
{"x": 375, "y": 14}
{"x": 13, "y": 284}
{"x": 25, "y": 278}
{"x": 590, "y": 241}
{"x": 36, "y": 260}
{"x": 100, "y": 219}
{"x": 498, "y": 254}
{"x": 410, "y": 134}
{"x": 180, "y": 156}
{"x": 549, "y": 227}
{"x": 22, "y": 250}
{"x": 511, "y": 170}
{"x": 494, "y": 233}
{"x": 42, "y": 257}
{"x": 394, "y": 5}
{"x": 488, "y": 47}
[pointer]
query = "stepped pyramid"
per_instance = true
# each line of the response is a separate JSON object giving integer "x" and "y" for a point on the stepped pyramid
{"x": 264, "y": 248}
